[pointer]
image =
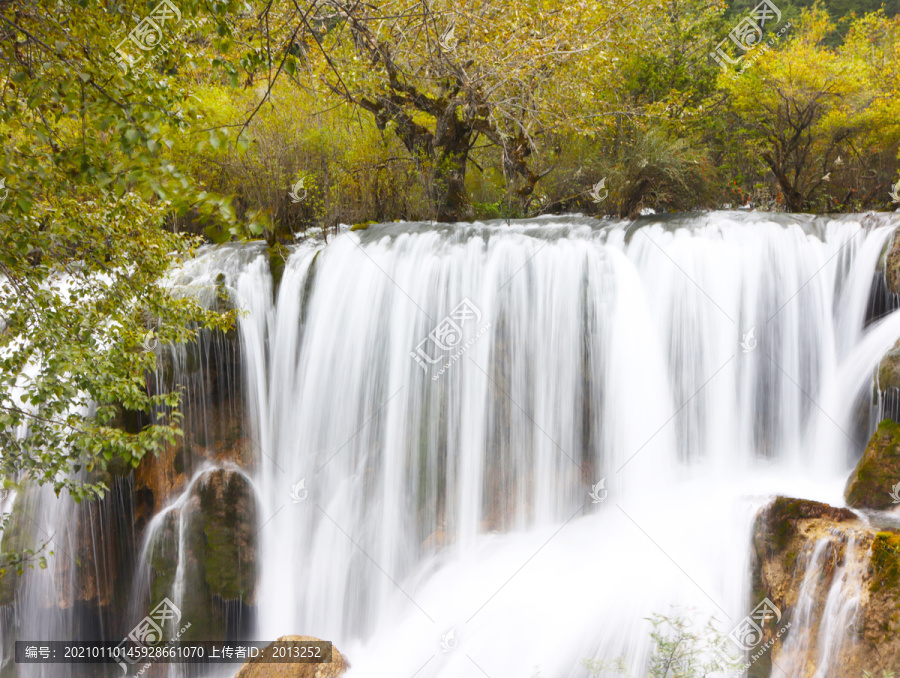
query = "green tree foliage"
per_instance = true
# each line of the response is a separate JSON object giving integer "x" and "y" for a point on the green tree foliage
{"x": 88, "y": 187}
{"x": 841, "y": 12}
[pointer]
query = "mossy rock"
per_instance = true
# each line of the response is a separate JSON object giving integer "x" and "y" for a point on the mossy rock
{"x": 885, "y": 562}
{"x": 876, "y": 475}
{"x": 889, "y": 369}
{"x": 225, "y": 530}
{"x": 218, "y": 560}
{"x": 193, "y": 602}
{"x": 777, "y": 523}
{"x": 163, "y": 556}
{"x": 892, "y": 267}
{"x": 278, "y": 256}
{"x": 361, "y": 227}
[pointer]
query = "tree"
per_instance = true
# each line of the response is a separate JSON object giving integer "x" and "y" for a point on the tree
{"x": 88, "y": 189}
{"x": 805, "y": 110}
{"x": 444, "y": 75}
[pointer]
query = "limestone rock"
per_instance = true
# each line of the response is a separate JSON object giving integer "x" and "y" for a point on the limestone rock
{"x": 892, "y": 267}
{"x": 889, "y": 369}
{"x": 872, "y": 484}
{"x": 778, "y": 523}
{"x": 211, "y": 536}
{"x": 259, "y": 668}
{"x": 786, "y": 533}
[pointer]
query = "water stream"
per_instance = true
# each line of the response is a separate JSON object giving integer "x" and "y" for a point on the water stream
{"x": 455, "y": 519}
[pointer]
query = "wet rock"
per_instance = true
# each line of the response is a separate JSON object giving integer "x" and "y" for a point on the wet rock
{"x": 210, "y": 372}
{"x": 259, "y": 668}
{"x": 88, "y": 551}
{"x": 224, "y": 534}
{"x": 163, "y": 556}
{"x": 892, "y": 267}
{"x": 783, "y": 531}
{"x": 94, "y": 559}
{"x": 785, "y": 535}
{"x": 209, "y": 542}
{"x": 779, "y": 522}
{"x": 278, "y": 255}
{"x": 872, "y": 484}
{"x": 885, "y": 562}
{"x": 888, "y": 375}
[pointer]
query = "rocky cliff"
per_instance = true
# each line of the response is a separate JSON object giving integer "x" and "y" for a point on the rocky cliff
{"x": 834, "y": 574}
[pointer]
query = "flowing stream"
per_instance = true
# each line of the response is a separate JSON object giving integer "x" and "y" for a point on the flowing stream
{"x": 496, "y": 449}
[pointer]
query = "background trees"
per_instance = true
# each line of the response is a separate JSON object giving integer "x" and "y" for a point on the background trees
{"x": 462, "y": 110}
{"x": 444, "y": 76}
{"x": 824, "y": 121}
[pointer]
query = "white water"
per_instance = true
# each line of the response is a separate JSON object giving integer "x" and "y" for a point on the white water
{"x": 798, "y": 645}
{"x": 821, "y": 632}
{"x": 458, "y": 508}
{"x": 841, "y": 607}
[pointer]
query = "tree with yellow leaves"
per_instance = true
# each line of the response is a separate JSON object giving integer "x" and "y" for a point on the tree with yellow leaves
{"x": 446, "y": 75}
{"x": 817, "y": 116}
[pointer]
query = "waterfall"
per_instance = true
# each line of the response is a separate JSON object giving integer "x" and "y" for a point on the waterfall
{"x": 821, "y": 632}
{"x": 94, "y": 553}
{"x": 590, "y": 449}
{"x": 840, "y": 608}
{"x": 497, "y": 449}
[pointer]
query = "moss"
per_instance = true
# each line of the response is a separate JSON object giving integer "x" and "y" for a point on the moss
{"x": 885, "y": 562}
{"x": 163, "y": 554}
{"x": 870, "y": 484}
{"x": 892, "y": 267}
{"x": 777, "y": 523}
{"x": 278, "y": 255}
{"x": 783, "y": 514}
{"x": 194, "y": 602}
{"x": 361, "y": 227}
{"x": 782, "y": 529}
{"x": 226, "y": 543}
{"x": 790, "y": 560}
{"x": 889, "y": 369}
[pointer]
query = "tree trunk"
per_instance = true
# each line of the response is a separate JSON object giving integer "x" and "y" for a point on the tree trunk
{"x": 448, "y": 185}
{"x": 793, "y": 200}
{"x": 452, "y": 139}
{"x": 441, "y": 156}
{"x": 631, "y": 204}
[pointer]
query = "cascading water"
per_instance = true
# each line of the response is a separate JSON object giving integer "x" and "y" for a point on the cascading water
{"x": 608, "y": 406}
{"x": 840, "y": 608}
{"x": 831, "y": 576}
{"x": 97, "y": 559}
{"x": 589, "y": 451}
